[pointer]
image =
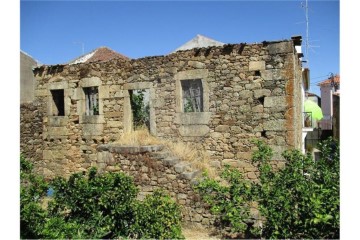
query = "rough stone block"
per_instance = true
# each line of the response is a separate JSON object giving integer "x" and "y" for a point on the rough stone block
{"x": 222, "y": 128}
{"x": 275, "y": 125}
{"x": 281, "y": 47}
{"x": 245, "y": 94}
{"x": 42, "y": 93}
{"x": 256, "y": 65}
{"x": 103, "y": 91}
{"x": 275, "y": 102}
{"x": 112, "y": 114}
{"x": 58, "y": 121}
{"x": 105, "y": 157}
{"x": 58, "y": 131}
{"x": 196, "y": 64}
{"x": 216, "y": 135}
{"x": 194, "y": 130}
{"x": 228, "y": 155}
{"x": 278, "y": 150}
{"x": 258, "y": 109}
{"x": 94, "y": 119}
{"x": 231, "y": 162}
{"x": 244, "y": 156}
{"x": 92, "y": 129}
{"x": 114, "y": 124}
{"x": 53, "y": 154}
{"x": 261, "y": 93}
{"x": 272, "y": 74}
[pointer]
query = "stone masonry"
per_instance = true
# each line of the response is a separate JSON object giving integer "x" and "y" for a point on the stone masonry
{"x": 249, "y": 91}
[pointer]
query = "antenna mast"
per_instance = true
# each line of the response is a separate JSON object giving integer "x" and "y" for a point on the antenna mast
{"x": 307, "y": 33}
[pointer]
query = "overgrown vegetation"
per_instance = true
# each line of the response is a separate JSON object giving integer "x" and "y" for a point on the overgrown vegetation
{"x": 93, "y": 206}
{"x": 299, "y": 201}
{"x": 140, "y": 109}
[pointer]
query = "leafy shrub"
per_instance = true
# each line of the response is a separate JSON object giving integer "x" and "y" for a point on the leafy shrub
{"x": 32, "y": 189}
{"x": 231, "y": 201}
{"x": 158, "y": 216}
{"x": 299, "y": 201}
{"x": 93, "y": 206}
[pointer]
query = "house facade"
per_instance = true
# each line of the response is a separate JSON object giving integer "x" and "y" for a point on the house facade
{"x": 240, "y": 92}
{"x": 328, "y": 89}
{"x": 27, "y": 79}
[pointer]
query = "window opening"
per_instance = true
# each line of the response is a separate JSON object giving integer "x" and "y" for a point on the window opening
{"x": 140, "y": 107}
{"x": 192, "y": 92}
{"x": 58, "y": 102}
{"x": 91, "y": 101}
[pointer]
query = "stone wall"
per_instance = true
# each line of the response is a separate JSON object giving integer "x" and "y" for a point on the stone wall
{"x": 31, "y": 128}
{"x": 249, "y": 91}
{"x": 153, "y": 167}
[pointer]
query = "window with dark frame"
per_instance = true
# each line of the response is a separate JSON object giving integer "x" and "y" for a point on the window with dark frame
{"x": 192, "y": 93}
{"x": 58, "y": 108}
{"x": 91, "y": 101}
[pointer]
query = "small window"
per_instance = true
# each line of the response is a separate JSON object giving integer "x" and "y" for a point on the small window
{"x": 192, "y": 92}
{"x": 91, "y": 101}
{"x": 58, "y": 102}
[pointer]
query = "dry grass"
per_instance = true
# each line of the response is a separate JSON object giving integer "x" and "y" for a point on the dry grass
{"x": 194, "y": 154}
{"x": 138, "y": 137}
{"x": 188, "y": 152}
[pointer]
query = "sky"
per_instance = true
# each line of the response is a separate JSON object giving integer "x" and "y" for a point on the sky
{"x": 55, "y": 32}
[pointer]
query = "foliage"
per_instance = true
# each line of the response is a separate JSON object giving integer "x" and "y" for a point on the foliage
{"x": 300, "y": 200}
{"x": 157, "y": 217}
{"x": 32, "y": 189}
{"x": 231, "y": 201}
{"x": 140, "y": 110}
{"x": 94, "y": 206}
{"x": 101, "y": 204}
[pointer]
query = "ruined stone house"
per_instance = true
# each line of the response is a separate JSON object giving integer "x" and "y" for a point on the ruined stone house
{"x": 236, "y": 93}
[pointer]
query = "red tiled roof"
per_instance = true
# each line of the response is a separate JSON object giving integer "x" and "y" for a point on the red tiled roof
{"x": 328, "y": 81}
{"x": 100, "y": 54}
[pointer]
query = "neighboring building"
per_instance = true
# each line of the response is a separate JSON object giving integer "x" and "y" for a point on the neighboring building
{"x": 199, "y": 41}
{"x": 336, "y": 116}
{"x": 313, "y": 97}
{"x": 100, "y": 54}
{"x": 316, "y": 99}
{"x": 328, "y": 88}
{"x": 27, "y": 79}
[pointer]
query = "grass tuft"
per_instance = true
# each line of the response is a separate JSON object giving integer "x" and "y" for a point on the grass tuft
{"x": 188, "y": 152}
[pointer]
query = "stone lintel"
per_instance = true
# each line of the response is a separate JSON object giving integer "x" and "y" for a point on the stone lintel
{"x": 193, "y": 118}
{"x": 90, "y": 82}
{"x": 194, "y": 130}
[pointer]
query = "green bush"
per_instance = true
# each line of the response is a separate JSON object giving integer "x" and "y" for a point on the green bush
{"x": 157, "y": 217}
{"x": 94, "y": 206}
{"x": 32, "y": 189}
{"x": 300, "y": 200}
